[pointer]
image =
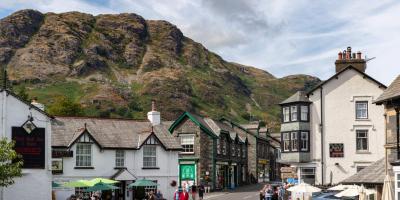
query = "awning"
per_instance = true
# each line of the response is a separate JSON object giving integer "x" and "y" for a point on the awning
{"x": 123, "y": 174}
{"x": 371, "y": 175}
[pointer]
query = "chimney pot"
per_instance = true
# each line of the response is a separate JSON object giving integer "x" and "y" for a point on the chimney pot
{"x": 340, "y": 56}
{"x": 154, "y": 116}
{"x": 359, "y": 55}
{"x": 348, "y": 53}
{"x": 153, "y": 105}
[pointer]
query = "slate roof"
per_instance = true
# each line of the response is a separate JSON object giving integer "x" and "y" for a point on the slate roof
{"x": 299, "y": 96}
{"x": 109, "y": 133}
{"x": 392, "y": 92}
{"x": 251, "y": 125}
{"x": 373, "y": 174}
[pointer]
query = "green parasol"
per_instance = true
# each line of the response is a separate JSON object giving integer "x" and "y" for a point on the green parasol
{"x": 102, "y": 180}
{"x": 142, "y": 183}
{"x": 78, "y": 183}
{"x": 100, "y": 186}
{"x": 55, "y": 185}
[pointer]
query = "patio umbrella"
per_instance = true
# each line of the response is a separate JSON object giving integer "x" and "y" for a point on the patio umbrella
{"x": 362, "y": 193}
{"x": 55, "y": 185}
{"x": 103, "y": 180}
{"x": 349, "y": 192}
{"x": 100, "y": 186}
{"x": 142, "y": 183}
{"x": 304, "y": 188}
{"x": 387, "y": 191}
{"x": 78, "y": 183}
{"x": 340, "y": 187}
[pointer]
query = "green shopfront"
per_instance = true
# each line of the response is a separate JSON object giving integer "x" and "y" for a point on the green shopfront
{"x": 187, "y": 173}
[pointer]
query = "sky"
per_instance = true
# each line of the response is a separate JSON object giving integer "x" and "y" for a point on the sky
{"x": 283, "y": 37}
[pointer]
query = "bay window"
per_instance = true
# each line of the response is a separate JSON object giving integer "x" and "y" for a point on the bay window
{"x": 294, "y": 141}
{"x": 304, "y": 141}
{"x": 304, "y": 113}
{"x": 293, "y": 110}
{"x": 286, "y": 141}
{"x": 286, "y": 114}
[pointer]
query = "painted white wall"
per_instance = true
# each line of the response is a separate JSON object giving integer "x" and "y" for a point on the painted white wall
{"x": 103, "y": 162}
{"x": 340, "y": 125}
{"x": 35, "y": 183}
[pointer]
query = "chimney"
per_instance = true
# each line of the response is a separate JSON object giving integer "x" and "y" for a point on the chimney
{"x": 350, "y": 59}
{"x": 154, "y": 116}
{"x": 35, "y": 103}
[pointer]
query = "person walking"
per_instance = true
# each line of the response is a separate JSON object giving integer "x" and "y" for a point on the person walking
{"x": 201, "y": 192}
{"x": 184, "y": 195}
{"x": 268, "y": 193}
{"x": 194, "y": 191}
{"x": 177, "y": 194}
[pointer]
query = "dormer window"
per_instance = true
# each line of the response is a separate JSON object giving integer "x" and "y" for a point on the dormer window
{"x": 83, "y": 154}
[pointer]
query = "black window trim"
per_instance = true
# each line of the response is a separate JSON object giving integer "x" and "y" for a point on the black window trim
{"x": 298, "y": 108}
{"x": 298, "y": 140}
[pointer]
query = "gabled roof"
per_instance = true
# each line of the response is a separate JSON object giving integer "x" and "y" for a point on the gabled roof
{"x": 299, "y": 96}
{"x": 27, "y": 103}
{"x": 109, "y": 133}
{"x": 373, "y": 174}
{"x": 340, "y": 72}
{"x": 198, "y": 120}
{"x": 392, "y": 92}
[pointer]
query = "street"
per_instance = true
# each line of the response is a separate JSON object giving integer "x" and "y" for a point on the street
{"x": 245, "y": 192}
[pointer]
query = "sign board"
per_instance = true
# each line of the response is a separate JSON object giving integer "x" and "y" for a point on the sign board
{"x": 31, "y": 146}
{"x": 57, "y": 165}
{"x": 58, "y": 153}
{"x": 336, "y": 150}
{"x": 288, "y": 170}
{"x": 263, "y": 161}
{"x": 288, "y": 175}
{"x": 187, "y": 172}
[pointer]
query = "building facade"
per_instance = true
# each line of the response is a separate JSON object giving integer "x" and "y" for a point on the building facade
{"x": 334, "y": 130}
{"x": 123, "y": 150}
{"x": 29, "y": 126}
{"x": 213, "y": 153}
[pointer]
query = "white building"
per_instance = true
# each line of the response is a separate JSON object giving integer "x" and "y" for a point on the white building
{"x": 123, "y": 150}
{"x": 29, "y": 127}
{"x": 334, "y": 130}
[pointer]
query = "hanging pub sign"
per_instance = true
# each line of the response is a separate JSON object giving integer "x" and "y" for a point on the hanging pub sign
{"x": 336, "y": 150}
{"x": 57, "y": 165}
{"x": 30, "y": 144}
{"x": 62, "y": 153}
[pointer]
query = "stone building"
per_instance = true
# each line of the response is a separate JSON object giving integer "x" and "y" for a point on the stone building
{"x": 213, "y": 153}
{"x": 334, "y": 130}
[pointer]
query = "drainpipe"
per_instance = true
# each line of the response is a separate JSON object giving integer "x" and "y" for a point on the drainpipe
{"x": 386, "y": 154}
{"x": 397, "y": 133}
{"x": 213, "y": 162}
{"x": 322, "y": 137}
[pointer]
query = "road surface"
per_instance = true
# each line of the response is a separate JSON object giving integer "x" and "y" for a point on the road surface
{"x": 250, "y": 192}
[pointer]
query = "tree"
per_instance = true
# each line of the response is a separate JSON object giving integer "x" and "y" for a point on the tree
{"x": 23, "y": 94}
{"x": 10, "y": 163}
{"x": 64, "y": 106}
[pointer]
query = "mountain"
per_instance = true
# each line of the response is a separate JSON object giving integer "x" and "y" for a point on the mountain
{"x": 114, "y": 64}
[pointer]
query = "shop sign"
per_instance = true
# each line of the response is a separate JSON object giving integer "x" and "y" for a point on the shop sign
{"x": 57, "y": 153}
{"x": 31, "y": 146}
{"x": 57, "y": 165}
{"x": 336, "y": 150}
{"x": 263, "y": 161}
{"x": 288, "y": 175}
{"x": 188, "y": 172}
{"x": 288, "y": 170}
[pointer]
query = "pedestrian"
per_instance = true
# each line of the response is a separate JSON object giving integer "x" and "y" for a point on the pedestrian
{"x": 159, "y": 195}
{"x": 194, "y": 192}
{"x": 151, "y": 196}
{"x": 201, "y": 192}
{"x": 184, "y": 195}
{"x": 177, "y": 194}
{"x": 275, "y": 193}
{"x": 268, "y": 193}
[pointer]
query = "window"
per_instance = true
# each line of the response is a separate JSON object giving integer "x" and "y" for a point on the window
{"x": 307, "y": 175}
{"x": 149, "y": 156}
{"x": 233, "y": 151}
{"x": 293, "y": 110}
{"x": 224, "y": 146}
{"x": 238, "y": 149}
{"x": 294, "y": 141}
{"x": 119, "y": 158}
{"x": 244, "y": 151}
{"x": 83, "y": 154}
{"x": 286, "y": 113}
{"x": 304, "y": 113}
{"x": 219, "y": 146}
{"x": 187, "y": 142}
{"x": 362, "y": 140}
{"x": 361, "y": 110}
{"x": 286, "y": 141}
{"x": 304, "y": 141}
{"x": 359, "y": 168}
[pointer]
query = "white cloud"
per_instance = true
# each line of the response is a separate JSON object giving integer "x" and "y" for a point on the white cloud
{"x": 282, "y": 36}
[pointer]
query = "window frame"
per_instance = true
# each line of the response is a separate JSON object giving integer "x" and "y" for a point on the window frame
{"x": 119, "y": 159}
{"x": 84, "y": 155}
{"x": 294, "y": 113}
{"x": 286, "y": 139}
{"x": 366, "y": 138}
{"x": 296, "y": 133}
{"x": 307, "y": 133}
{"x": 366, "y": 110}
{"x": 307, "y": 113}
{"x": 150, "y": 156}
{"x": 186, "y": 145}
{"x": 286, "y": 116}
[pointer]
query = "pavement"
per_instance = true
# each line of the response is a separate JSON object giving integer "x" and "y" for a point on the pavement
{"x": 248, "y": 192}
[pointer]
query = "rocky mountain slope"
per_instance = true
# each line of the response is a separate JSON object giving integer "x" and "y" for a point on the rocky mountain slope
{"x": 113, "y": 65}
